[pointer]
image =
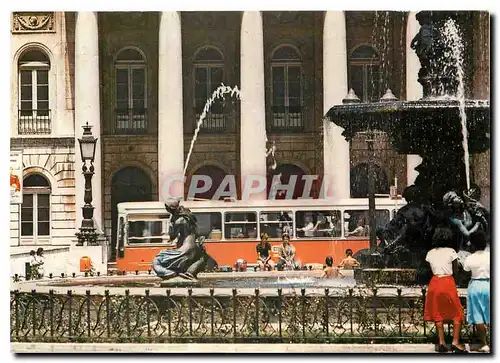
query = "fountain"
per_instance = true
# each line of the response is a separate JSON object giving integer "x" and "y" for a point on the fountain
{"x": 443, "y": 127}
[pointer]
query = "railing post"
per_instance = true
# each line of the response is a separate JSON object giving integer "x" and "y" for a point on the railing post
{"x": 280, "y": 304}
{"x": 51, "y": 312}
{"x": 148, "y": 314}
{"x": 423, "y": 311}
{"x": 234, "y": 315}
{"x": 16, "y": 311}
{"x": 212, "y": 312}
{"x": 169, "y": 315}
{"x": 190, "y": 311}
{"x": 70, "y": 306}
{"x": 33, "y": 297}
{"x": 399, "y": 311}
{"x": 374, "y": 302}
{"x": 351, "y": 314}
{"x": 257, "y": 312}
{"x": 89, "y": 322}
{"x": 303, "y": 299}
{"x": 108, "y": 325}
{"x": 327, "y": 315}
{"x": 127, "y": 312}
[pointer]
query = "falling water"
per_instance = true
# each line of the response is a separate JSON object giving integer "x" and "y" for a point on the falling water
{"x": 456, "y": 46}
{"x": 220, "y": 92}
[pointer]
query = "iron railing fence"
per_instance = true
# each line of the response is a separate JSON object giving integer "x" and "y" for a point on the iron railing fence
{"x": 352, "y": 315}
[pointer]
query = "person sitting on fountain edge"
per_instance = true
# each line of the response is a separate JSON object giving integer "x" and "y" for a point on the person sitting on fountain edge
{"x": 287, "y": 254}
{"x": 442, "y": 303}
{"x": 264, "y": 253}
{"x": 329, "y": 270}
{"x": 349, "y": 262}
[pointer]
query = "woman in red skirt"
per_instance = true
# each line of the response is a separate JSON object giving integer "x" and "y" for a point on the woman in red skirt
{"x": 442, "y": 303}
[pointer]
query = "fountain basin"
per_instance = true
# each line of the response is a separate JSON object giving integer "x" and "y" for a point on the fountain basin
{"x": 418, "y": 127}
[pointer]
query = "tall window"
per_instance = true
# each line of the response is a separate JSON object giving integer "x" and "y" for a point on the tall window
{"x": 131, "y": 105}
{"x": 34, "y": 112}
{"x": 286, "y": 73}
{"x": 208, "y": 75}
{"x": 364, "y": 73}
{"x": 35, "y": 210}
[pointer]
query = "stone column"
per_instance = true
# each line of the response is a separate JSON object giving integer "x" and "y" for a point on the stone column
{"x": 335, "y": 147}
{"x": 87, "y": 109}
{"x": 253, "y": 115}
{"x": 413, "y": 88}
{"x": 170, "y": 115}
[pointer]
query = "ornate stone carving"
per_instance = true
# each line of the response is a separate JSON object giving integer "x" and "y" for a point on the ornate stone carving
{"x": 33, "y": 22}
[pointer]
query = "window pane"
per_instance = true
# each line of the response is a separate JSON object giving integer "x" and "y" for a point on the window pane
{"x": 278, "y": 74}
{"x": 285, "y": 53}
{"x": 122, "y": 92}
{"x": 26, "y": 77}
{"x": 43, "y": 228}
{"x": 26, "y": 105}
{"x": 216, "y": 77}
{"x": 324, "y": 223}
{"x": 138, "y": 75}
{"x": 209, "y": 225}
{"x": 138, "y": 105}
{"x": 42, "y": 93}
{"x": 27, "y": 200}
{"x": 241, "y": 217}
{"x": 374, "y": 80}
{"x": 138, "y": 91}
{"x": 42, "y": 106}
{"x": 357, "y": 222}
{"x": 27, "y": 229}
{"x": 43, "y": 214}
{"x": 43, "y": 200}
{"x": 122, "y": 105}
{"x": 27, "y": 214}
{"x": 26, "y": 93}
{"x": 122, "y": 75}
{"x": 42, "y": 77}
{"x": 278, "y": 86}
{"x": 294, "y": 90}
{"x": 276, "y": 223}
{"x": 241, "y": 230}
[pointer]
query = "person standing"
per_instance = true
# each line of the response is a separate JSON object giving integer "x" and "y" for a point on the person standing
{"x": 349, "y": 262}
{"x": 478, "y": 291}
{"x": 442, "y": 303}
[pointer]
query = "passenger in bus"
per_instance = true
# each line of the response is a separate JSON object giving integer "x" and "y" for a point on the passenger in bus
{"x": 146, "y": 233}
{"x": 360, "y": 229}
{"x": 264, "y": 253}
{"x": 309, "y": 228}
{"x": 287, "y": 255}
{"x": 349, "y": 262}
{"x": 329, "y": 270}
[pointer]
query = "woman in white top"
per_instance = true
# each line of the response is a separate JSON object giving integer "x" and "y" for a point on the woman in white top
{"x": 478, "y": 292}
{"x": 442, "y": 303}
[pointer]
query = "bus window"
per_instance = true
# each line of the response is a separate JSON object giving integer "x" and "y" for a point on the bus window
{"x": 147, "y": 229}
{"x": 324, "y": 223}
{"x": 209, "y": 225}
{"x": 240, "y": 225}
{"x": 357, "y": 222}
{"x": 276, "y": 223}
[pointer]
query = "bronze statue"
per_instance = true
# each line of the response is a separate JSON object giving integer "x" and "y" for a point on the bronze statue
{"x": 190, "y": 256}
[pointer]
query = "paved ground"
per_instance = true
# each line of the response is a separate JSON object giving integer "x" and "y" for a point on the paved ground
{"x": 222, "y": 348}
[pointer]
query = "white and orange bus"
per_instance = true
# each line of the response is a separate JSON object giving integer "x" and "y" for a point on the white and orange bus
{"x": 317, "y": 228}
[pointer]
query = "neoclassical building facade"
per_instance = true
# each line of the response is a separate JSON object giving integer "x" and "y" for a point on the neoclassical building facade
{"x": 141, "y": 79}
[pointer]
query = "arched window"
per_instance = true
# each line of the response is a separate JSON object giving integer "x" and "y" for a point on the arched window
{"x": 131, "y": 99}
{"x": 286, "y": 74}
{"x": 34, "y": 111}
{"x": 216, "y": 174}
{"x": 285, "y": 173}
{"x": 359, "y": 180}
{"x": 35, "y": 209}
{"x": 364, "y": 73}
{"x": 208, "y": 75}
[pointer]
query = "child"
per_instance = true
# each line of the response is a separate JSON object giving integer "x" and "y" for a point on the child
{"x": 442, "y": 302}
{"x": 330, "y": 271}
{"x": 264, "y": 253}
{"x": 349, "y": 262}
{"x": 478, "y": 292}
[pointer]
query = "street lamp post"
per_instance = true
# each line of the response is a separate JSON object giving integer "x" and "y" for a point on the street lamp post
{"x": 87, "y": 231}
